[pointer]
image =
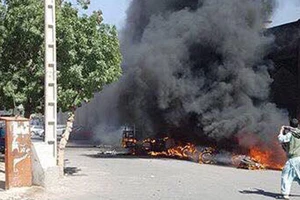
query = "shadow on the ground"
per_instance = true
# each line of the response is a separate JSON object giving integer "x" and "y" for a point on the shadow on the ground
{"x": 264, "y": 193}
{"x": 2, "y": 185}
{"x": 71, "y": 170}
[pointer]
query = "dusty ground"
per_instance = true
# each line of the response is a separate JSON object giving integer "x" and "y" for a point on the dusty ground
{"x": 99, "y": 177}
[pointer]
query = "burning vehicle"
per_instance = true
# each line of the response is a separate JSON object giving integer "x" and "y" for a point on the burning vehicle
{"x": 256, "y": 159}
{"x": 246, "y": 162}
{"x": 155, "y": 145}
{"x": 129, "y": 140}
{"x": 166, "y": 147}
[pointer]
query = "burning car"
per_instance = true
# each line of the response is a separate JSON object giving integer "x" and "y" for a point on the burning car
{"x": 129, "y": 140}
{"x": 156, "y": 145}
{"x": 168, "y": 147}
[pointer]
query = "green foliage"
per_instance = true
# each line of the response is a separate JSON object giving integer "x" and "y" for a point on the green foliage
{"x": 84, "y": 3}
{"x": 21, "y": 58}
{"x": 88, "y": 55}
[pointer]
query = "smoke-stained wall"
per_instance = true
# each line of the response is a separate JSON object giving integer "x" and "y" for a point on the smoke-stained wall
{"x": 193, "y": 69}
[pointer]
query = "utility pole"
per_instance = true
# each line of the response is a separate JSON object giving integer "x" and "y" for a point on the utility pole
{"x": 44, "y": 154}
{"x": 50, "y": 79}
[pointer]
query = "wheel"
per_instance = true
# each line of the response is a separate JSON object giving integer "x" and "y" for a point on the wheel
{"x": 207, "y": 158}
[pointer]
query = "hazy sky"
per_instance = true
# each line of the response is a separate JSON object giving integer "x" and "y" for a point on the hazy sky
{"x": 114, "y": 11}
{"x": 287, "y": 11}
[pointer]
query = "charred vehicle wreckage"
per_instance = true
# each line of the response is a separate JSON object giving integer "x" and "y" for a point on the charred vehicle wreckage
{"x": 170, "y": 148}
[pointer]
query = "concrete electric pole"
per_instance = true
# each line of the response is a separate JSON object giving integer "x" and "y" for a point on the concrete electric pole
{"x": 50, "y": 78}
{"x": 44, "y": 163}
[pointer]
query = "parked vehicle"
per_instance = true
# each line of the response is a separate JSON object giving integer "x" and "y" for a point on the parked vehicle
{"x": 37, "y": 127}
{"x": 37, "y": 130}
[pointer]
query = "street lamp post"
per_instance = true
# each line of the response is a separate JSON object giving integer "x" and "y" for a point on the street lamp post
{"x": 50, "y": 79}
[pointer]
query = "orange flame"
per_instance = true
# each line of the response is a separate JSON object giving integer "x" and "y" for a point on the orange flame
{"x": 128, "y": 140}
{"x": 266, "y": 158}
{"x": 187, "y": 151}
{"x": 259, "y": 157}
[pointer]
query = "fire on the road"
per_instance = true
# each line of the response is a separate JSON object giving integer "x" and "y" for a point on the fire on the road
{"x": 189, "y": 152}
{"x": 255, "y": 160}
{"x": 257, "y": 157}
{"x": 265, "y": 157}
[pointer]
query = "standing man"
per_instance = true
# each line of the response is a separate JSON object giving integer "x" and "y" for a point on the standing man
{"x": 289, "y": 137}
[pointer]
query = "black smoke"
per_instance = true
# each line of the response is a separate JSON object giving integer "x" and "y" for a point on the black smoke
{"x": 195, "y": 69}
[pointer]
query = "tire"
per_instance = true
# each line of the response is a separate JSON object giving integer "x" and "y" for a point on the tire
{"x": 207, "y": 158}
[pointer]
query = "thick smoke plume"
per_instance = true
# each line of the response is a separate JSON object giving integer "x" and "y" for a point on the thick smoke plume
{"x": 194, "y": 69}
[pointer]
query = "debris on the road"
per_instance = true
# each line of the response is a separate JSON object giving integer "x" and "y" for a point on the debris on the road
{"x": 113, "y": 152}
{"x": 249, "y": 163}
{"x": 109, "y": 150}
{"x": 168, "y": 147}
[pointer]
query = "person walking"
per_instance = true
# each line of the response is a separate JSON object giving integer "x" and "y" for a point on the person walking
{"x": 289, "y": 137}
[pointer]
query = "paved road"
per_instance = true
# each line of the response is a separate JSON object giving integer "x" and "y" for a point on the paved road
{"x": 119, "y": 177}
{"x": 122, "y": 178}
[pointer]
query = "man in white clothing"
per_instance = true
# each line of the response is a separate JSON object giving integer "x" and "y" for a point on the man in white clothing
{"x": 289, "y": 137}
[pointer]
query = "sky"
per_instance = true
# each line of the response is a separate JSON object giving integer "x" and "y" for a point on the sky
{"x": 286, "y": 11}
{"x": 114, "y": 11}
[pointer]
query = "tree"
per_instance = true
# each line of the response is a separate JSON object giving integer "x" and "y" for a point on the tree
{"x": 91, "y": 58}
{"x": 88, "y": 56}
{"x": 21, "y": 58}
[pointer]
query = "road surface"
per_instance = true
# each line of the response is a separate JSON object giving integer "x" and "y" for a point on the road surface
{"x": 99, "y": 177}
